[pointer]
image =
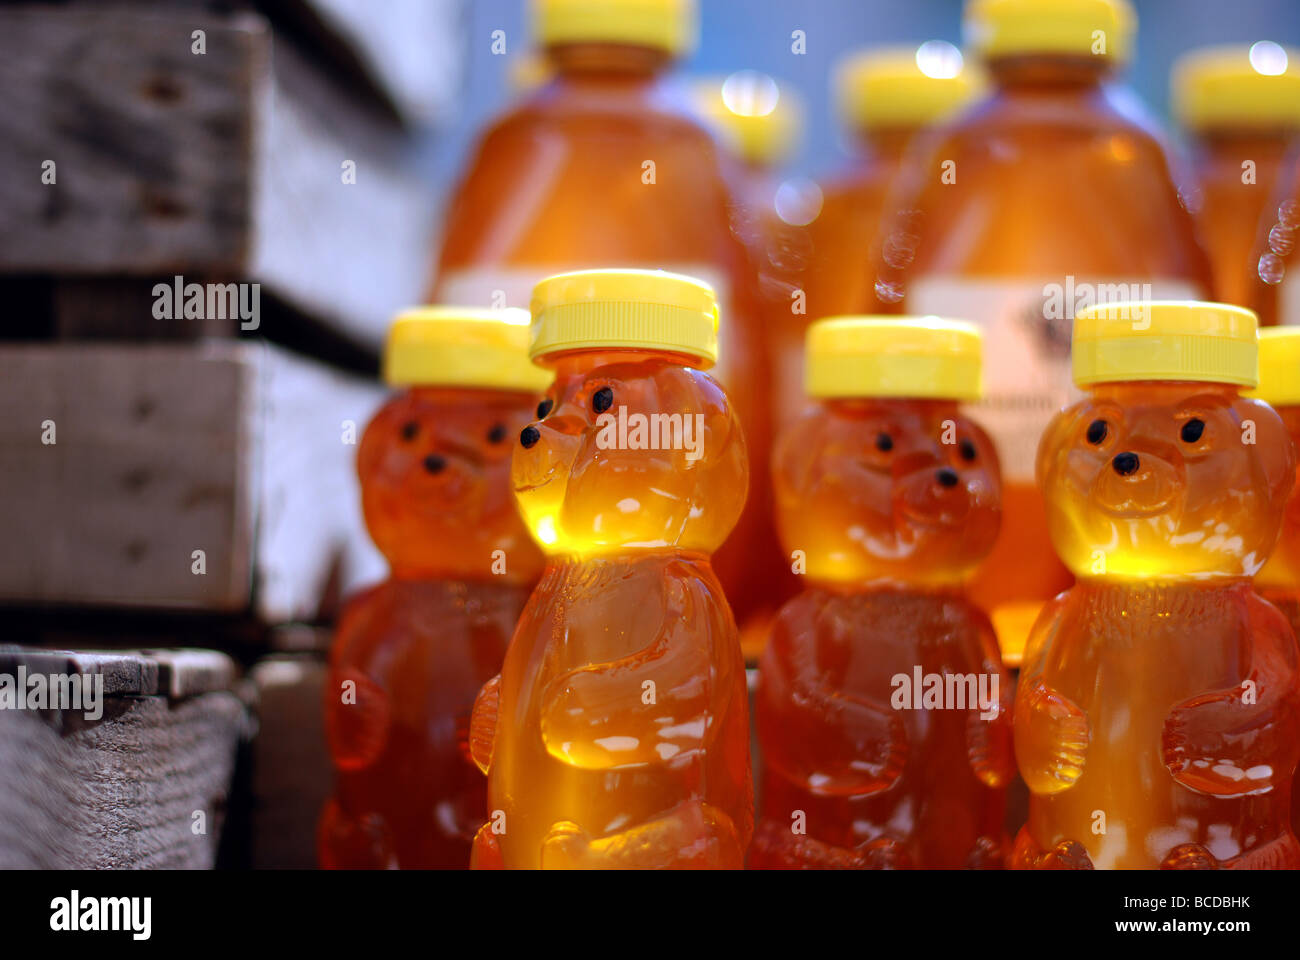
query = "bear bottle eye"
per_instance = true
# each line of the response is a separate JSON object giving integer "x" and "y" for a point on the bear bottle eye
{"x": 602, "y": 399}
{"x": 1192, "y": 430}
{"x": 497, "y": 433}
{"x": 1096, "y": 432}
{"x": 409, "y": 429}
{"x": 544, "y": 408}
{"x": 884, "y": 442}
{"x": 967, "y": 450}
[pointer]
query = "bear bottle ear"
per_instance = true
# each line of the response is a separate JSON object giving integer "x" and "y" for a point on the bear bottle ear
{"x": 1274, "y": 447}
{"x": 1054, "y": 437}
{"x": 797, "y": 452}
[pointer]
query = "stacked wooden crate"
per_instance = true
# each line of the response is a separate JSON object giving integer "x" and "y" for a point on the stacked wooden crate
{"x": 180, "y": 478}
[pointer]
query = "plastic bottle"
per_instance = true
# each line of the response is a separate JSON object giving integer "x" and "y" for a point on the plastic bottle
{"x": 1275, "y": 293}
{"x": 887, "y": 96}
{"x": 1157, "y": 715}
{"x": 617, "y": 732}
{"x": 883, "y": 710}
{"x": 1051, "y": 193}
{"x": 1241, "y": 106}
{"x": 758, "y": 122}
{"x": 411, "y": 653}
{"x": 1279, "y": 386}
{"x": 607, "y": 165}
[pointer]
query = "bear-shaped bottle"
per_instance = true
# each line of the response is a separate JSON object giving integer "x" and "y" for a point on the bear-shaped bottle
{"x": 883, "y": 709}
{"x": 412, "y": 652}
{"x": 1279, "y": 386}
{"x": 1157, "y": 716}
{"x": 617, "y": 732}
{"x": 1279, "y": 581}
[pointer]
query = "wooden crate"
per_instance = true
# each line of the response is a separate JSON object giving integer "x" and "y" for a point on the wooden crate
{"x": 216, "y": 166}
{"x": 231, "y": 448}
{"x": 411, "y": 52}
{"x": 145, "y": 784}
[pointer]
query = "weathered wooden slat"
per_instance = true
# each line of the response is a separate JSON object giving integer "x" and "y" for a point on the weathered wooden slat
{"x": 144, "y": 785}
{"x": 411, "y": 51}
{"x": 152, "y": 144}
{"x": 312, "y": 547}
{"x": 352, "y": 253}
{"x": 291, "y": 773}
{"x": 151, "y": 460}
{"x": 124, "y": 674}
{"x": 229, "y": 448}
{"x": 228, "y": 163}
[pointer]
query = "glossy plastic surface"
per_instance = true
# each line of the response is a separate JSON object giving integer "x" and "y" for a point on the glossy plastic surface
{"x": 617, "y": 733}
{"x": 1279, "y": 581}
{"x": 1157, "y": 717}
{"x": 839, "y": 278}
{"x": 411, "y": 653}
{"x": 1056, "y": 177}
{"x": 1275, "y": 284}
{"x": 561, "y": 182}
{"x": 893, "y": 502}
{"x": 1232, "y": 200}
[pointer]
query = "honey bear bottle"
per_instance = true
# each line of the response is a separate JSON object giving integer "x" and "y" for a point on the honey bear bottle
{"x": 997, "y": 221}
{"x": 883, "y": 709}
{"x": 411, "y": 653}
{"x": 616, "y": 734}
{"x": 606, "y": 164}
{"x": 1279, "y": 386}
{"x": 1157, "y": 715}
{"x": 1279, "y": 581}
{"x": 1241, "y": 105}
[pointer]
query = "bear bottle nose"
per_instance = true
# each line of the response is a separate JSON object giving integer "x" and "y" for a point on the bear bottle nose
{"x": 946, "y": 476}
{"x": 1125, "y": 463}
{"x": 529, "y": 435}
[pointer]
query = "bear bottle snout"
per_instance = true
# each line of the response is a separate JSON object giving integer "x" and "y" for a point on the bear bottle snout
{"x": 946, "y": 476}
{"x": 529, "y": 436}
{"x": 1125, "y": 463}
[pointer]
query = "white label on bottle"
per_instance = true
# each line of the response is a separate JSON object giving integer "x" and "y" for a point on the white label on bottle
{"x": 510, "y": 286}
{"x": 1027, "y": 326}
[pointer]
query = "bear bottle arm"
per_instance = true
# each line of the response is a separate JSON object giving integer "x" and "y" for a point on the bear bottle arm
{"x": 1051, "y": 730}
{"x": 831, "y": 742}
{"x": 483, "y": 723}
{"x": 693, "y": 835}
{"x": 989, "y": 739}
{"x": 1233, "y": 742}
{"x": 650, "y": 707}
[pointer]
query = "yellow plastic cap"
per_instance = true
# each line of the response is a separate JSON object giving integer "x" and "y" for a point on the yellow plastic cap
{"x": 1165, "y": 340}
{"x": 462, "y": 347}
{"x": 911, "y": 86}
{"x": 668, "y": 25}
{"x": 1246, "y": 85}
{"x": 625, "y": 310}
{"x": 916, "y": 357}
{"x": 756, "y": 118}
{"x": 1279, "y": 366}
{"x": 1085, "y": 28}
